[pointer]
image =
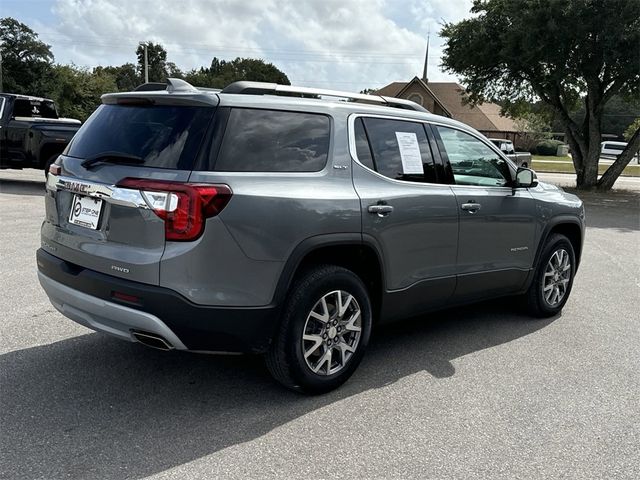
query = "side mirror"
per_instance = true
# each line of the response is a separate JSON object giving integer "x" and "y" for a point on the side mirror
{"x": 526, "y": 178}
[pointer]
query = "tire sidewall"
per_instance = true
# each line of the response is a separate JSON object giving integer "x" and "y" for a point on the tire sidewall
{"x": 299, "y": 311}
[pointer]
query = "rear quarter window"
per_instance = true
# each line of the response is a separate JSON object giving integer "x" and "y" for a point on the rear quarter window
{"x": 257, "y": 140}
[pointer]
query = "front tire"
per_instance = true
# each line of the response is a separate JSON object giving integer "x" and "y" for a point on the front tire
{"x": 324, "y": 332}
{"x": 553, "y": 278}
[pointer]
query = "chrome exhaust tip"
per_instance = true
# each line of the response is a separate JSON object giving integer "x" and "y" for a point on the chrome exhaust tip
{"x": 152, "y": 340}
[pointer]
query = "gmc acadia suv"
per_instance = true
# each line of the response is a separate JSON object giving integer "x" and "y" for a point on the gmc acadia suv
{"x": 287, "y": 221}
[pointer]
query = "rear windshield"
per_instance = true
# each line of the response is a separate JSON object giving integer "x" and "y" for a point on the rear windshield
{"x": 34, "y": 108}
{"x": 163, "y": 136}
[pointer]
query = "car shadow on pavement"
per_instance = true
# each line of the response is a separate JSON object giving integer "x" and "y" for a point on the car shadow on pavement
{"x": 21, "y": 187}
{"x": 96, "y": 407}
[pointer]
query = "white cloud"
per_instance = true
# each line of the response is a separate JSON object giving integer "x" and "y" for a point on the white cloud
{"x": 344, "y": 44}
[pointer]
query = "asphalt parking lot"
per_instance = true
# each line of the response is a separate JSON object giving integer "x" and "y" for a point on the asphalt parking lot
{"x": 479, "y": 392}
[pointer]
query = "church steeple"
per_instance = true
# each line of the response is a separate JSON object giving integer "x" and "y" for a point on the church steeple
{"x": 426, "y": 61}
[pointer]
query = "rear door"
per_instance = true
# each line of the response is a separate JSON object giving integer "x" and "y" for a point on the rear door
{"x": 93, "y": 222}
{"x": 405, "y": 211}
{"x": 497, "y": 222}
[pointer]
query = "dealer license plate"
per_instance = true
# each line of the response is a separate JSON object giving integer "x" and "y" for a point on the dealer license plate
{"x": 85, "y": 211}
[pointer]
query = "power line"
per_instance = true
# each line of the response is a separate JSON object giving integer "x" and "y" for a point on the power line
{"x": 304, "y": 58}
{"x": 198, "y": 46}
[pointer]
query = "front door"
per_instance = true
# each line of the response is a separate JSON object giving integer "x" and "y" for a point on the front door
{"x": 497, "y": 222}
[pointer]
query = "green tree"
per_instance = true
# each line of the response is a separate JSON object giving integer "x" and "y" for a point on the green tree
{"x": 77, "y": 91}
{"x": 631, "y": 129}
{"x": 221, "y": 73}
{"x": 157, "y": 61}
{"x": 563, "y": 52}
{"x": 26, "y": 61}
{"x": 125, "y": 76}
{"x": 173, "y": 71}
{"x": 617, "y": 114}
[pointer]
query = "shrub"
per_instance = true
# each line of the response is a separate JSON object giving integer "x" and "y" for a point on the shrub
{"x": 546, "y": 147}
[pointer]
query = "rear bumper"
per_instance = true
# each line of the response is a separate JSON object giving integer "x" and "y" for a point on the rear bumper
{"x": 87, "y": 297}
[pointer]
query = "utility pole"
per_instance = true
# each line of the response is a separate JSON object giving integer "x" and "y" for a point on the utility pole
{"x": 146, "y": 65}
{"x": 1, "y": 86}
{"x": 146, "y": 62}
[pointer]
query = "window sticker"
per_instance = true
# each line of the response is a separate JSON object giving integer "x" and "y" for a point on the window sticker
{"x": 410, "y": 153}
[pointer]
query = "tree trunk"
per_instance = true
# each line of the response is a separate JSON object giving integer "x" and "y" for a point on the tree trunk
{"x": 577, "y": 156}
{"x": 616, "y": 168}
{"x": 591, "y": 128}
{"x": 585, "y": 142}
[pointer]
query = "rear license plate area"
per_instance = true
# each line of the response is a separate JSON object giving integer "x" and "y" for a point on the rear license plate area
{"x": 85, "y": 211}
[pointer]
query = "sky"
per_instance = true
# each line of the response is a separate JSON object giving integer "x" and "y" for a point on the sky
{"x": 338, "y": 44}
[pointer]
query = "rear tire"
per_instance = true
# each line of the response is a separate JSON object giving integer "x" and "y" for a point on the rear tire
{"x": 553, "y": 278}
{"x": 325, "y": 329}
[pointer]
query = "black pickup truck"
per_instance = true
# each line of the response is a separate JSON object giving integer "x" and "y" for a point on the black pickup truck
{"x": 32, "y": 135}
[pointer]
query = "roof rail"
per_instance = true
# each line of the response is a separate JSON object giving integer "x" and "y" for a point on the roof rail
{"x": 263, "y": 88}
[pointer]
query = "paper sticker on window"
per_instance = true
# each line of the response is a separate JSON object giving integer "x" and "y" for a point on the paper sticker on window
{"x": 410, "y": 153}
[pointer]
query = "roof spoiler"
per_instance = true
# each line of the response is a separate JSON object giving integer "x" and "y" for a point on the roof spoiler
{"x": 263, "y": 88}
{"x": 173, "y": 85}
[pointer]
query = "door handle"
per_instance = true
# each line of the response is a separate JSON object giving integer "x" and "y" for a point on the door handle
{"x": 381, "y": 210}
{"x": 471, "y": 207}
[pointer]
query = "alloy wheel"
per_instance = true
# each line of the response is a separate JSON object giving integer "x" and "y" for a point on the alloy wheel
{"x": 557, "y": 275}
{"x": 332, "y": 332}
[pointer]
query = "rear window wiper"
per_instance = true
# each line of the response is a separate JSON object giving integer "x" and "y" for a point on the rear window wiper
{"x": 111, "y": 157}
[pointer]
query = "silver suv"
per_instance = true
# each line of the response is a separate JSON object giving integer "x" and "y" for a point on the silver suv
{"x": 288, "y": 221}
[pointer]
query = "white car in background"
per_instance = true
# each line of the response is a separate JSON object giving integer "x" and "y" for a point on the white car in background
{"x": 613, "y": 150}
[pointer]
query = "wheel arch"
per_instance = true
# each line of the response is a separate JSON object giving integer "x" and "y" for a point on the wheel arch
{"x": 351, "y": 251}
{"x": 568, "y": 226}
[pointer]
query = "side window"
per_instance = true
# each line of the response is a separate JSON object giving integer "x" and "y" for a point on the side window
{"x": 400, "y": 150}
{"x": 362, "y": 145}
{"x": 473, "y": 162}
{"x": 258, "y": 140}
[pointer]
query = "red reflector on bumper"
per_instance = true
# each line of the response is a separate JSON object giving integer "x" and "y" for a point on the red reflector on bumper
{"x": 125, "y": 297}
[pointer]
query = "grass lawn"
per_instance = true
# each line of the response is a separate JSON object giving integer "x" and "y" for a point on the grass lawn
{"x": 551, "y": 164}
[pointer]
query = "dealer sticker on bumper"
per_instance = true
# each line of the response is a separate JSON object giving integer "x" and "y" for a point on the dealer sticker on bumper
{"x": 85, "y": 211}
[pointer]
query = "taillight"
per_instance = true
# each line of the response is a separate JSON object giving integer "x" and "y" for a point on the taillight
{"x": 184, "y": 207}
